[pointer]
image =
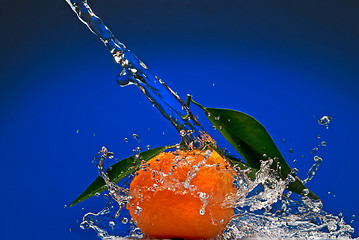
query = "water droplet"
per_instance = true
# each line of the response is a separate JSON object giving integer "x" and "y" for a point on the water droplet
{"x": 305, "y": 192}
{"x": 183, "y": 133}
{"x": 135, "y": 136}
{"x": 111, "y": 223}
{"x": 124, "y": 220}
{"x": 324, "y": 143}
{"x": 291, "y": 150}
{"x": 138, "y": 210}
{"x": 325, "y": 120}
{"x": 314, "y": 150}
{"x": 126, "y": 139}
{"x": 318, "y": 159}
{"x": 77, "y": 131}
{"x": 332, "y": 226}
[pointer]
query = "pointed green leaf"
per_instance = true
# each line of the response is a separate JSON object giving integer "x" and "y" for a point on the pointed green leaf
{"x": 118, "y": 171}
{"x": 251, "y": 140}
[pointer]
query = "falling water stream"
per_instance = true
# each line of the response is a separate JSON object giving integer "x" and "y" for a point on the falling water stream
{"x": 261, "y": 210}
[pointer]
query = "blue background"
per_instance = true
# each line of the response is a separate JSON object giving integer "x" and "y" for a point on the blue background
{"x": 283, "y": 62}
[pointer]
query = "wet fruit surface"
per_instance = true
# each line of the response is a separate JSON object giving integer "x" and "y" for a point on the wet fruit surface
{"x": 182, "y": 194}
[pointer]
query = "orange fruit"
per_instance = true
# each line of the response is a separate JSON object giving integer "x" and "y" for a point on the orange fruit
{"x": 182, "y": 194}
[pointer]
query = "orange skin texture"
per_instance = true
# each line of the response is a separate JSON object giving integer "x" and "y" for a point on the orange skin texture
{"x": 164, "y": 207}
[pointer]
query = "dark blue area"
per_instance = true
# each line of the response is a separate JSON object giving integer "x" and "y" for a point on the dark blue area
{"x": 282, "y": 62}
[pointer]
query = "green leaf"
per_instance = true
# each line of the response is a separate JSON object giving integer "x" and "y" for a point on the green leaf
{"x": 251, "y": 140}
{"x": 118, "y": 171}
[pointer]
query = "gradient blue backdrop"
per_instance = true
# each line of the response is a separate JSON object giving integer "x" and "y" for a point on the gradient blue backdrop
{"x": 283, "y": 62}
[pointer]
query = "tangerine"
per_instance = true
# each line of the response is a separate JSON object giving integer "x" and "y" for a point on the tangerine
{"x": 182, "y": 194}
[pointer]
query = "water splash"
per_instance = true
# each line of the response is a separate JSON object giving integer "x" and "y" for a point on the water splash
{"x": 263, "y": 207}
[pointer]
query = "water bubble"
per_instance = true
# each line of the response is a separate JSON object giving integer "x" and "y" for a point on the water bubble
{"x": 126, "y": 139}
{"x": 291, "y": 150}
{"x": 124, "y": 220}
{"x": 325, "y": 120}
{"x": 135, "y": 136}
{"x": 324, "y": 143}
{"x": 314, "y": 150}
